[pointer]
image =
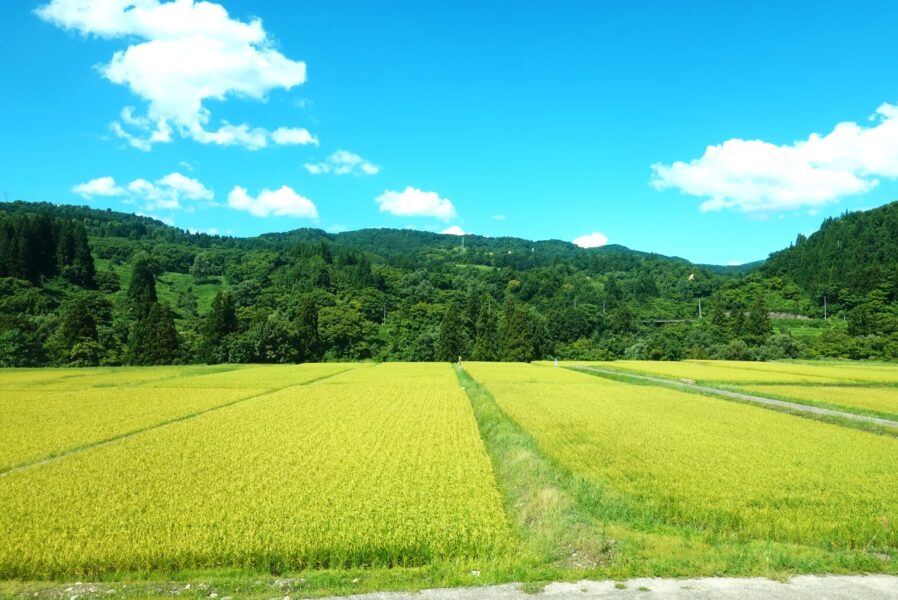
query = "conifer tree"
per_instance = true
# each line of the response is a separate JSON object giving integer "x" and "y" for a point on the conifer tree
{"x": 451, "y": 342}
{"x": 80, "y": 269}
{"x": 515, "y": 339}
{"x": 486, "y": 344}
{"x": 757, "y": 325}
{"x": 78, "y": 324}
{"x": 218, "y": 324}
{"x": 154, "y": 340}
{"x": 307, "y": 330}
{"x": 142, "y": 289}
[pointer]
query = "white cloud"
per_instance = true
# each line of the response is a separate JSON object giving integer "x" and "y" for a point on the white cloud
{"x": 191, "y": 52}
{"x": 101, "y": 186}
{"x": 413, "y": 202}
{"x": 165, "y": 193}
{"x": 209, "y": 231}
{"x": 592, "y": 240}
{"x": 252, "y": 138}
{"x": 343, "y": 162}
{"x": 292, "y": 136}
{"x": 498, "y": 217}
{"x": 186, "y": 187}
{"x": 454, "y": 230}
{"x": 283, "y": 202}
{"x": 754, "y": 176}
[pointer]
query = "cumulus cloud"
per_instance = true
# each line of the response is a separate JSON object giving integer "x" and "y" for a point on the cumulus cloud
{"x": 498, "y": 217}
{"x": 343, "y": 162}
{"x": 454, "y": 230}
{"x": 165, "y": 193}
{"x": 293, "y": 136}
{"x": 180, "y": 55}
{"x": 754, "y": 176}
{"x": 283, "y": 202}
{"x": 591, "y": 240}
{"x": 413, "y": 202}
{"x": 101, "y": 186}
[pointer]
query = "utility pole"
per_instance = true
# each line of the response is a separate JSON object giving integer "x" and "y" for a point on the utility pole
{"x": 824, "y": 308}
{"x": 699, "y": 307}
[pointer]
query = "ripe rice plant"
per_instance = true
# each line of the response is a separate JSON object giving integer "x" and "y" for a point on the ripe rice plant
{"x": 255, "y": 376}
{"x": 379, "y": 471}
{"x": 714, "y": 371}
{"x": 880, "y": 400}
{"x": 37, "y": 420}
{"x": 39, "y": 424}
{"x": 78, "y": 379}
{"x": 839, "y": 372}
{"x": 719, "y": 466}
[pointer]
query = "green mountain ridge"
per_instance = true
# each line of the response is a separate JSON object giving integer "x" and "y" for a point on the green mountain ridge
{"x": 80, "y": 285}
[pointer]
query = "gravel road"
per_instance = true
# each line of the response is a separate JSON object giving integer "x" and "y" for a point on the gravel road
{"x": 805, "y": 587}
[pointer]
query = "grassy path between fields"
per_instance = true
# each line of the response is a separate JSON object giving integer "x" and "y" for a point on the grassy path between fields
{"x": 130, "y": 434}
{"x": 870, "y": 423}
{"x": 541, "y": 499}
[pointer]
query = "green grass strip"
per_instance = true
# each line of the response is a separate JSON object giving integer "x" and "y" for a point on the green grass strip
{"x": 553, "y": 525}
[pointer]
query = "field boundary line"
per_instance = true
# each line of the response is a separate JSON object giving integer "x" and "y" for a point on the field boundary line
{"x": 135, "y": 432}
{"x": 750, "y": 398}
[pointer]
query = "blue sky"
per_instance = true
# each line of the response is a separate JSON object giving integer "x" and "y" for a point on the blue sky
{"x": 550, "y": 120}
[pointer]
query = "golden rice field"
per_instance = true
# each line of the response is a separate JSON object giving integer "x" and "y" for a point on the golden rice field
{"x": 373, "y": 469}
{"x": 722, "y": 371}
{"x": 40, "y": 424}
{"x": 708, "y": 463}
{"x": 280, "y": 468}
{"x": 881, "y": 400}
{"x": 85, "y": 406}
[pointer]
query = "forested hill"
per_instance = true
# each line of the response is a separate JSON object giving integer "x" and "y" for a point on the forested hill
{"x": 80, "y": 286}
{"x": 849, "y": 257}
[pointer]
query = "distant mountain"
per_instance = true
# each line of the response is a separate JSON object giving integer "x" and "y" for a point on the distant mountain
{"x": 81, "y": 286}
{"x": 382, "y": 241}
{"x": 402, "y": 242}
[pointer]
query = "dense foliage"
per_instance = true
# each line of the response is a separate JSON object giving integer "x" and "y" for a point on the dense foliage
{"x": 852, "y": 262}
{"x": 80, "y": 286}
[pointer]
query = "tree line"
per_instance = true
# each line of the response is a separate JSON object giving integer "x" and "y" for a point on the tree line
{"x": 86, "y": 287}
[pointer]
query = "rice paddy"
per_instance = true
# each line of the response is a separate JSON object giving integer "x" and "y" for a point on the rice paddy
{"x": 286, "y": 468}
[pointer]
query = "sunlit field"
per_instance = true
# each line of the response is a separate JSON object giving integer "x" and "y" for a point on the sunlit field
{"x": 334, "y": 467}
